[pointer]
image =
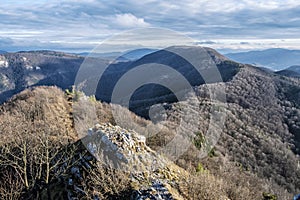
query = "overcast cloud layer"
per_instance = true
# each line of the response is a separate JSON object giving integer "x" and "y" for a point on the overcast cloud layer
{"x": 73, "y": 25}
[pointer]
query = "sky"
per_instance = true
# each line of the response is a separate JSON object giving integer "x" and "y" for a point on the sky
{"x": 77, "y": 26}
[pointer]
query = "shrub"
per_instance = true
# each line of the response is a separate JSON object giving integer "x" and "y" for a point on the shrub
{"x": 268, "y": 196}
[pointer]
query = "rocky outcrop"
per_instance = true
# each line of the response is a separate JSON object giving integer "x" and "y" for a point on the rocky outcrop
{"x": 157, "y": 191}
{"x": 122, "y": 149}
{"x": 119, "y": 150}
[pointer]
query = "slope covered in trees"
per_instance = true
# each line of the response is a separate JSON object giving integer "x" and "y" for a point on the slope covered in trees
{"x": 40, "y": 150}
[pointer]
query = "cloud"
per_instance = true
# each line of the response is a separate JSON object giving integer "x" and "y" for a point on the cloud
{"x": 205, "y": 42}
{"x": 5, "y": 41}
{"x": 128, "y": 20}
{"x": 82, "y": 24}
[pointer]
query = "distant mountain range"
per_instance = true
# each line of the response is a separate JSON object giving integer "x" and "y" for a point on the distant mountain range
{"x": 121, "y": 56}
{"x": 275, "y": 59}
{"x": 32, "y": 68}
{"x": 138, "y": 53}
{"x": 103, "y": 55}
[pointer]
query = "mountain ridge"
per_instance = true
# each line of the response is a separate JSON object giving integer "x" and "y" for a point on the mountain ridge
{"x": 24, "y": 69}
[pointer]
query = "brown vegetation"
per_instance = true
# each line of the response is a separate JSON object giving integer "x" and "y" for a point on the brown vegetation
{"x": 37, "y": 135}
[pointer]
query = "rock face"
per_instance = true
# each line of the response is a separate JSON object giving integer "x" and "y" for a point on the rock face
{"x": 127, "y": 150}
{"x": 120, "y": 150}
{"x": 156, "y": 192}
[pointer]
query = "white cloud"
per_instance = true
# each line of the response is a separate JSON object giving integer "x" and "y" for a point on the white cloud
{"x": 252, "y": 44}
{"x": 271, "y": 4}
{"x": 128, "y": 20}
{"x": 192, "y": 7}
{"x": 73, "y": 22}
